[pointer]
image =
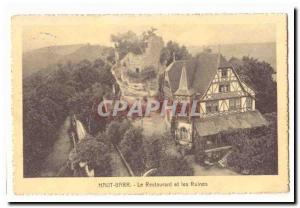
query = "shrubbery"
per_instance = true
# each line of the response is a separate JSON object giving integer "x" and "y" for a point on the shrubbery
{"x": 116, "y": 130}
{"x": 155, "y": 152}
{"x": 199, "y": 151}
{"x": 258, "y": 75}
{"x": 133, "y": 149}
{"x": 255, "y": 150}
{"x": 95, "y": 153}
{"x": 170, "y": 165}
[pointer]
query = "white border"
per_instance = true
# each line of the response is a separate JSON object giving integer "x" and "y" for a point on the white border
{"x": 118, "y": 6}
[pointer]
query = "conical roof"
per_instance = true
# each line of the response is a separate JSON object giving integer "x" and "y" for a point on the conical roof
{"x": 183, "y": 88}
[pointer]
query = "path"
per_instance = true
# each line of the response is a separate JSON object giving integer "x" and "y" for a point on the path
{"x": 60, "y": 153}
{"x": 208, "y": 171}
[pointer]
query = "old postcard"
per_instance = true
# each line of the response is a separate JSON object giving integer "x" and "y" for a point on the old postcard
{"x": 150, "y": 104}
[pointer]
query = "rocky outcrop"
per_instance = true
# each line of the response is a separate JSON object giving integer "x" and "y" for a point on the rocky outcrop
{"x": 138, "y": 75}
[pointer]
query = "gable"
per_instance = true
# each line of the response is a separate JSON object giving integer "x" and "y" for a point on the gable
{"x": 230, "y": 83}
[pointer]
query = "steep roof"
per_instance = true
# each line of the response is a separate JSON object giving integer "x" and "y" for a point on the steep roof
{"x": 200, "y": 70}
{"x": 184, "y": 88}
{"x": 216, "y": 124}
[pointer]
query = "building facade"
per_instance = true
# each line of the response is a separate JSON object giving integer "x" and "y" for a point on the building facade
{"x": 223, "y": 100}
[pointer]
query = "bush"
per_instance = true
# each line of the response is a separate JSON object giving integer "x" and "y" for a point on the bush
{"x": 258, "y": 75}
{"x": 133, "y": 149}
{"x": 95, "y": 153}
{"x": 170, "y": 165}
{"x": 116, "y": 130}
{"x": 154, "y": 148}
{"x": 254, "y": 151}
{"x": 199, "y": 151}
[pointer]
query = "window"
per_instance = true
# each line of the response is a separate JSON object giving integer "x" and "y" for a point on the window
{"x": 248, "y": 103}
{"x": 137, "y": 70}
{"x": 224, "y": 88}
{"x": 234, "y": 103}
{"x": 183, "y": 133}
{"x": 224, "y": 73}
{"x": 212, "y": 106}
{"x": 167, "y": 84}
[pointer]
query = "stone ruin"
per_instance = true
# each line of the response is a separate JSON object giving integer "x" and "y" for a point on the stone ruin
{"x": 138, "y": 74}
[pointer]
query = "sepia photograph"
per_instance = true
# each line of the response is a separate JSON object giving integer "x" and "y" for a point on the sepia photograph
{"x": 232, "y": 84}
{"x": 151, "y": 97}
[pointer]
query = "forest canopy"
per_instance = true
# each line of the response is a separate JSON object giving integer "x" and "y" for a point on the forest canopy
{"x": 49, "y": 99}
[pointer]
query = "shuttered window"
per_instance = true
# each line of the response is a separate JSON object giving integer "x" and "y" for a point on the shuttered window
{"x": 248, "y": 103}
{"x": 234, "y": 103}
{"x": 212, "y": 106}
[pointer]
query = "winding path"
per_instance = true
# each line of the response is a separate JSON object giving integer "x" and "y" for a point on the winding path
{"x": 60, "y": 152}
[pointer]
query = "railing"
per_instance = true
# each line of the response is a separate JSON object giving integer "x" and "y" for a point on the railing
{"x": 218, "y": 149}
{"x": 124, "y": 160}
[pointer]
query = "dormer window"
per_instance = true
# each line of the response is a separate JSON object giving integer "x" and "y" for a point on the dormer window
{"x": 224, "y": 73}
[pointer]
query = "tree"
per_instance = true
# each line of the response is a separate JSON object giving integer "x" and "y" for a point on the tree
{"x": 255, "y": 150}
{"x": 85, "y": 75}
{"x": 131, "y": 42}
{"x": 84, "y": 105}
{"x": 94, "y": 153}
{"x": 258, "y": 75}
{"x": 170, "y": 165}
{"x": 154, "y": 147}
{"x": 200, "y": 151}
{"x": 116, "y": 130}
{"x": 173, "y": 49}
{"x": 128, "y": 42}
{"x": 133, "y": 149}
{"x": 149, "y": 33}
{"x": 48, "y": 99}
{"x": 104, "y": 70}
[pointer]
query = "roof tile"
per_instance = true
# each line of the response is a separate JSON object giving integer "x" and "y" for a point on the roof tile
{"x": 200, "y": 70}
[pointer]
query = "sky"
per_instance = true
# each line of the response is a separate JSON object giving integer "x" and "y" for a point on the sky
{"x": 188, "y": 30}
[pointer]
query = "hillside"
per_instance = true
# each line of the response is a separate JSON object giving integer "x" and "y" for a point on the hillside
{"x": 42, "y": 58}
{"x": 261, "y": 51}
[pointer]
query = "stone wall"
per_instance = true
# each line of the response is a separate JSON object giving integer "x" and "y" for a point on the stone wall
{"x": 137, "y": 63}
{"x": 134, "y": 72}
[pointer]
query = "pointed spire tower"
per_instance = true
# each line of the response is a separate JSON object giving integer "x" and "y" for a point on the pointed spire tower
{"x": 183, "y": 88}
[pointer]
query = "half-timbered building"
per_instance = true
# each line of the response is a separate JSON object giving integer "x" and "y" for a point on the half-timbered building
{"x": 224, "y": 101}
